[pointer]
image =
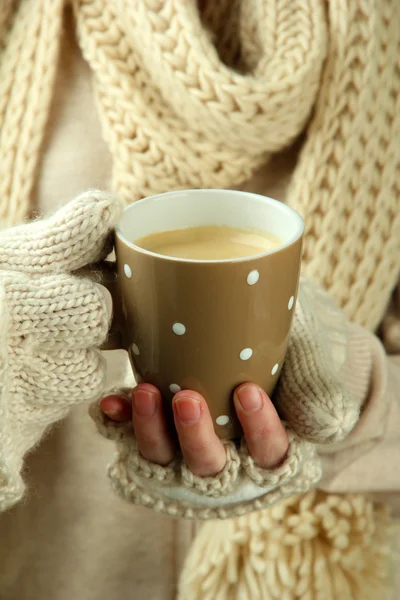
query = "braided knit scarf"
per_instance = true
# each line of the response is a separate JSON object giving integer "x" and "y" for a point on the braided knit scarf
{"x": 200, "y": 95}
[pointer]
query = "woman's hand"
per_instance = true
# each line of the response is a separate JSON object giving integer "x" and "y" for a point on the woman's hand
{"x": 217, "y": 480}
{"x": 203, "y": 452}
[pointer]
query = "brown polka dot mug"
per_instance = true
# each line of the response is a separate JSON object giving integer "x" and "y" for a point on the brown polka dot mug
{"x": 207, "y": 325}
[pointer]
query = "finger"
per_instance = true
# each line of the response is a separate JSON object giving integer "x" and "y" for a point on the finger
{"x": 59, "y": 310}
{"x": 265, "y": 434}
{"x": 201, "y": 448}
{"x": 73, "y": 237}
{"x": 153, "y": 439}
{"x": 116, "y": 408}
{"x": 65, "y": 377}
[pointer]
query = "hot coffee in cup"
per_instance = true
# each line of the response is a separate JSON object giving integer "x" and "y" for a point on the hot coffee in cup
{"x": 209, "y": 243}
{"x": 207, "y": 284}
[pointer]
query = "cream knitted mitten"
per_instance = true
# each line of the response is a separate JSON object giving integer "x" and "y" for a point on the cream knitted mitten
{"x": 51, "y": 325}
{"x": 325, "y": 376}
{"x": 319, "y": 398}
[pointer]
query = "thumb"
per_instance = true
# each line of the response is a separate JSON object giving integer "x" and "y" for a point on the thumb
{"x": 75, "y": 236}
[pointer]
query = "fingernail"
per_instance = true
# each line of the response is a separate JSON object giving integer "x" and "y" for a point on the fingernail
{"x": 188, "y": 410}
{"x": 250, "y": 398}
{"x": 111, "y": 406}
{"x": 112, "y": 412}
{"x": 144, "y": 403}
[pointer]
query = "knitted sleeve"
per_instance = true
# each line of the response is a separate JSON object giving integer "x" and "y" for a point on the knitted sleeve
{"x": 346, "y": 183}
{"x": 367, "y": 461}
{"x": 52, "y": 323}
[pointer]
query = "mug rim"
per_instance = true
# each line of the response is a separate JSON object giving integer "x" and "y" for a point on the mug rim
{"x": 204, "y": 191}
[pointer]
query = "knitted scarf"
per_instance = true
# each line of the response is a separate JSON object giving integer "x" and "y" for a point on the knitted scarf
{"x": 200, "y": 95}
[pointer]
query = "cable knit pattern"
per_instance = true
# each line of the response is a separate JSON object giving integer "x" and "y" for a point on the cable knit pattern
{"x": 51, "y": 326}
{"x": 346, "y": 184}
{"x": 200, "y": 98}
{"x": 175, "y": 115}
{"x": 30, "y": 35}
{"x": 220, "y": 484}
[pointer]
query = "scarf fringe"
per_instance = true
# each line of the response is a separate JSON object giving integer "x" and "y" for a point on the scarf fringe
{"x": 314, "y": 547}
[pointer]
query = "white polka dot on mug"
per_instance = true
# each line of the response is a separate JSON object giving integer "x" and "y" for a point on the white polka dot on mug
{"x": 246, "y": 354}
{"x": 179, "y": 328}
{"x": 222, "y": 420}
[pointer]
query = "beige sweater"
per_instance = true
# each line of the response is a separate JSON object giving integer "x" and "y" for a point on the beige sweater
{"x": 71, "y": 537}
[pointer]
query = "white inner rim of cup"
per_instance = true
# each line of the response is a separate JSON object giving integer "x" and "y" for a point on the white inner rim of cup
{"x": 197, "y": 208}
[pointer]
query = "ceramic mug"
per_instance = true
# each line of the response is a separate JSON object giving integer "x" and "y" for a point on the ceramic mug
{"x": 207, "y": 325}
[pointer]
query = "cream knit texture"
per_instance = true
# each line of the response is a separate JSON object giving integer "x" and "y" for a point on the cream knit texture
{"x": 51, "y": 326}
{"x": 312, "y": 547}
{"x": 200, "y": 102}
{"x": 30, "y": 34}
{"x": 316, "y": 394}
{"x": 193, "y": 97}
